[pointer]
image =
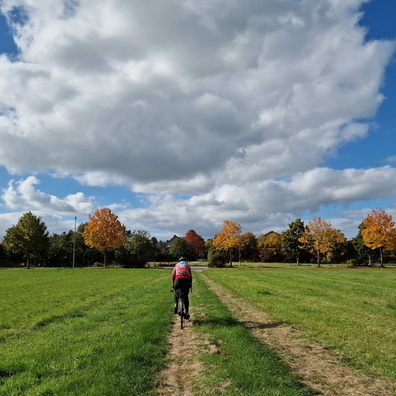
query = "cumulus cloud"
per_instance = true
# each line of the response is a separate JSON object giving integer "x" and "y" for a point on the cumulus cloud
{"x": 235, "y": 105}
{"x": 265, "y": 206}
{"x": 152, "y": 93}
{"x": 23, "y": 195}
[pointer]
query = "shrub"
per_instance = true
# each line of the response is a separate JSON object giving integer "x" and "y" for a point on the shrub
{"x": 217, "y": 258}
{"x": 135, "y": 262}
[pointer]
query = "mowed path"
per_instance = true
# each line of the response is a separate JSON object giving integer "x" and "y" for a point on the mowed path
{"x": 317, "y": 367}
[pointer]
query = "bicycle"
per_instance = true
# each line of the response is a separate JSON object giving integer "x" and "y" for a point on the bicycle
{"x": 181, "y": 305}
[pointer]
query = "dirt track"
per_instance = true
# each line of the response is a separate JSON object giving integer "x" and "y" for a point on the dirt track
{"x": 182, "y": 365}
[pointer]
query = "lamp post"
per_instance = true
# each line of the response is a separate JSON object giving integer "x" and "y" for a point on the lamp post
{"x": 74, "y": 242}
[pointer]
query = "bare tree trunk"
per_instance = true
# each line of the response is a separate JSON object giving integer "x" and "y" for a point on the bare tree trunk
{"x": 27, "y": 263}
{"x": 318, "y": 253}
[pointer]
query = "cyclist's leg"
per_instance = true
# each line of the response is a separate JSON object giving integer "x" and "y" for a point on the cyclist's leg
{"x": 176, "y": 287}
{"x": 186, "y": 304}
{"x": 187, "y": 291}
{"x": 186, "y": 299}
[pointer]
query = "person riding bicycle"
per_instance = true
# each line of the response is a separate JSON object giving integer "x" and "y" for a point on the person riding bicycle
{"x": 182, "y": 279}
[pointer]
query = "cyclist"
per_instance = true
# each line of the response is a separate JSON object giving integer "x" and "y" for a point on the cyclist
{"x": 182, "y": 279}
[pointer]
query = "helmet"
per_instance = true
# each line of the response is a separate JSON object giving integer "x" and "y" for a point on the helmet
{"x": 182, "y": 259}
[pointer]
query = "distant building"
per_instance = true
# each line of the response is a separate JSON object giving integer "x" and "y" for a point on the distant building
{"x": 272, "y": 232}
{"x": 172, "y": 241}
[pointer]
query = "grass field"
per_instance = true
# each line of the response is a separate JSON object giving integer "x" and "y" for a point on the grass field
{"x": 353, "y": 310}
{"x": 82, "y": 332}
{"x": 104, "y": 332}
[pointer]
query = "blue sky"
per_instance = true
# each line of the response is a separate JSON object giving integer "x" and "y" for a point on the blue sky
{"x": 181, "y": 115}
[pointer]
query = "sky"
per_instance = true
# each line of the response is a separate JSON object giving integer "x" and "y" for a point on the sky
{"x": 179, "y": 115}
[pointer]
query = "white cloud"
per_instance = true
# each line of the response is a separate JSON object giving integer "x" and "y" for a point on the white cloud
{"x": 234, "y": 104}
{"x": 391, "y": 159}
{"x": 266, "y": 206}
{"x": 23, "y": 195}
{"x": 154, "y": 92}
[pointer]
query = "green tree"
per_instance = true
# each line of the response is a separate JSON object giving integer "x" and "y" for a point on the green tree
{"x": 60, "y": 249}
{"x": 137, "y": 250}
{"x": 181, "y": 248}
{"x": 290, "y": 243}
{"x": 362, "y": 251}
{"x": 249, "y": 246}
{"x": 28, "y": 237}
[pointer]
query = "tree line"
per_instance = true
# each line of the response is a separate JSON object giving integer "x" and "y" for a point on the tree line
{"x": 103, "y": 241}
{"x": 316, "y": 242}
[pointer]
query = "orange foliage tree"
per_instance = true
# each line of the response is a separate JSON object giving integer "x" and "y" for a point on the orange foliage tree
{"x": 104, "y": 231}
{"x": 378, "y": 231}
{"x": 320, "y": 238}
{"x": 229, "y": 238}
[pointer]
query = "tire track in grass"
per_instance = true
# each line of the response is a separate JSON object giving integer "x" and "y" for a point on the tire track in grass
{"x": 318, "y": 368}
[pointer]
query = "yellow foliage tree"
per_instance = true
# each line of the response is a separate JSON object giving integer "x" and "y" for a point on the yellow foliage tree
{"x": 271, "y": 241}
{"x": 271, "y": 244}
{"x": 229, "y": 238}
{"x": 104, "y": 231}
{"x": 320, "y": 237}
{"x": 378, "y": 231}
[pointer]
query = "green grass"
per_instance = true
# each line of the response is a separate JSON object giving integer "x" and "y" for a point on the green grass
{"x": 85, "y": 332}
{"x": 104, "y": 332}
{"x": 239, "y": 364}
{"x": 353, "y": 311}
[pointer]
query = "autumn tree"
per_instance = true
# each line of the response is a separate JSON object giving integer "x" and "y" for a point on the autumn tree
{"x": 290, "y": 243}
{"x": 29, "y": 237}
{"x": 104, "y": 231}
{"x": 271, "y": 241}
{"x": 229, "y": 238}
{"x": 320, "y": 238}
{"x": 196, "y": 242}
{"x": 378, "y": 232}
{"x": 270, "y": 246}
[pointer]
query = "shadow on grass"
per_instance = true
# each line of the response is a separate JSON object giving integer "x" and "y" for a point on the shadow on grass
{"x": 230, "y": 322}
{"x": 216, "y": 322}
{"x": 260, "y": 325}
